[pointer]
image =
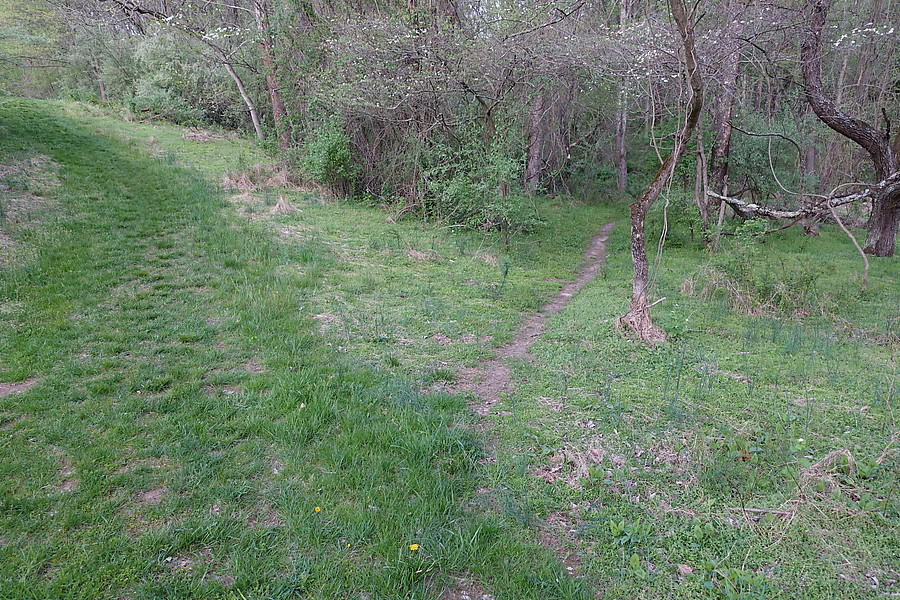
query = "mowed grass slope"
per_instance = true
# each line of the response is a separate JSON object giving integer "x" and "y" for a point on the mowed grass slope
{"x": 182, "y": 432}
{"x": 208, "y": 369}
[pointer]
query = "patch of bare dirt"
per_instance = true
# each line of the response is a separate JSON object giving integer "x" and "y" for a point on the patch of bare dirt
{"x": 559, "y": 532}
{"x": 66, "y": 472}
{"x": 491, "y": 379}
{"x": 17, "y": 388}
{"x": 268, "y": 519}
{"x": 153, "y": 496}
{"x": 194, "y": 560}
{"x": 253, "y": 366}
{"x": 441, "y": 340}
{"x": 465, "y": 588}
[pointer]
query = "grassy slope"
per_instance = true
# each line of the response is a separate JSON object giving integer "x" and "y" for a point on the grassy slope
{"x": 632, "y": 457}
{"x": 185, "y": 425}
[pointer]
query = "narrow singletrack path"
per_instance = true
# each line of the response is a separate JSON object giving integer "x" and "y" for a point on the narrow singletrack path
{"x": 491, "y": 379}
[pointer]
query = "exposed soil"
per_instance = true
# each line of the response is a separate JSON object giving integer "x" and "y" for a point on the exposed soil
{"x": 490, "y": 379}
{"x": 465, "y": 588}
{"x": 154, "y": 496}
{"x": 17, "y": 388}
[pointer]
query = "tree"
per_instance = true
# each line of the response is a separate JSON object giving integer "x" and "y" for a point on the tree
{"x": 881, "y": 236}
{"x": 262, "y": 12}
{"x": 215, "y": 26}
{"x": 638, "y": 315}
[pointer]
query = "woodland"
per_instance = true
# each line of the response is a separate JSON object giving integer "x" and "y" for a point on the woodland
{"x": 330, "y": 299}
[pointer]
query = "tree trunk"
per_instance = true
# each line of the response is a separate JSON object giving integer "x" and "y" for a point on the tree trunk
{"x": 254, "y": 116}
{"x": 279, "y": 112}
{"x": 621, "y": 127}
{"x": 101, "y": 85}
{"x": 721, "y": 150}
{"x": 881, "y": 234}
{"x": 701, "y": 184}
{"x": 638, "y": 315}
{"x": 535, "y": 162}
{"x": 883, "y": 222}
{"x": 622, "y": 117}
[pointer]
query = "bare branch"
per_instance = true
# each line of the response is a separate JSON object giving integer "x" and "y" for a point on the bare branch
{"x": 855, "y": 243}
{"x": 749, "y": 210}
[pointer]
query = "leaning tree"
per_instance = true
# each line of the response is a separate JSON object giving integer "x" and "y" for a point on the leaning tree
{"x": 881, "y": 236}
{"x": 638, "y": 316}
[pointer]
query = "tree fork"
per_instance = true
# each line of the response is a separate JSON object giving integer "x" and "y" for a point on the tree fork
{"x": 638, "y": 315}
{"x": 881, "y": 236}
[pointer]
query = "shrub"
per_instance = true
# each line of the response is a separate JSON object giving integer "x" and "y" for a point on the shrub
{"x": 327, "y": 159}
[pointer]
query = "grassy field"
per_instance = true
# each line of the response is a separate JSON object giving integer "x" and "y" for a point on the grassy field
{"x": 247, "y": 394}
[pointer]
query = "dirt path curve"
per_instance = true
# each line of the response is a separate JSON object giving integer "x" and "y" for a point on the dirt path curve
{"x": 491, "y": 378}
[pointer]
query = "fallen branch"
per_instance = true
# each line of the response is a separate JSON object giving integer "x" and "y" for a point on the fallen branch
{"x": 823, "y": 206}
{"x": 656, "y": 302}
{"x": 749, "y": 210}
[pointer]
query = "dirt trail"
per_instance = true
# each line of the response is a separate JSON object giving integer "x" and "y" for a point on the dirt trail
{"x": 491, "y": 378}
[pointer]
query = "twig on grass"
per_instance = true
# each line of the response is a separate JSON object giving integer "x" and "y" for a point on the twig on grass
{"x": 759, "y": 510}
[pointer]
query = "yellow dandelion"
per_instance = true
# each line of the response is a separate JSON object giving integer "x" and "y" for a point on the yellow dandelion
{"x": 413, "y": 547}
{"x": 318, "y": 509}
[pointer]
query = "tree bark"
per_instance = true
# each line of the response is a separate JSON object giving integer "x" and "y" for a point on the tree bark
{"x": 621, "y": 157}
{"x": 101, "y": 85}
{"x": 251, "y": 107}
{"x": 881, "y": 234}
{"x": 535, "y": 163}
{"x": 621, "y": 128}
{"x": 721, "y": 150}
{"x": 638, "y": 315}
{"x": 701, "y": 184}
{"x": 270, "y": 64}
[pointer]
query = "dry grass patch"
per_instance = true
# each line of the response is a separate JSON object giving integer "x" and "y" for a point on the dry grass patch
{"x": 418, "y": 255}
{"x": 259, "y": 177}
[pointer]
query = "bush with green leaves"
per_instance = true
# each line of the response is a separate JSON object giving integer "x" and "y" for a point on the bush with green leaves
{"x": 479, "y": 186}
{"x": 327, "y": 159}
{"x": 179, "y": 85}
{"x": 756, "y": 279}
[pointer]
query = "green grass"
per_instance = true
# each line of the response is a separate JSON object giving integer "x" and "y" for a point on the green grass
{"x": 187, "y": 420}
{"x": 210, "y": 370}
{"x": 652, "y": 452}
